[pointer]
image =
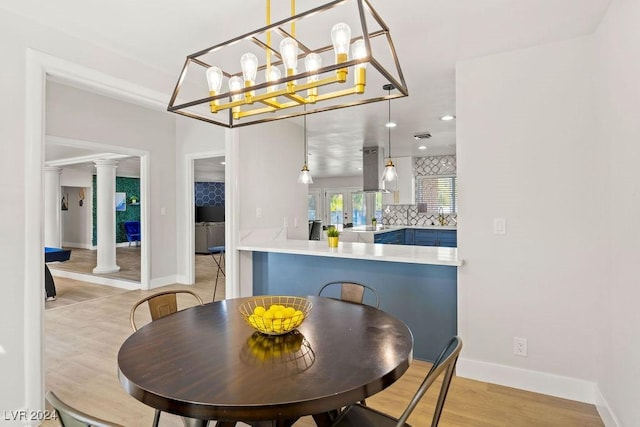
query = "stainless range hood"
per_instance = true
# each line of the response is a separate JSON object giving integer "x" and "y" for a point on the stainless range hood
{"x": 372, "y": 163}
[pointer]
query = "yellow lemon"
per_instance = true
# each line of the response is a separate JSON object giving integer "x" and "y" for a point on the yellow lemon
{"x": 287, "y": 324}
{"x": 297, "y": 318}
{"x": 267, "y": 314}
{"x": 253, "y": 320}
{"x": 278, "y": 314}
{"x": 289, "y": 311}
{"x": 277, "y": 325}
{"x": 259, "y": 310}
{"x": 267, "y": 322}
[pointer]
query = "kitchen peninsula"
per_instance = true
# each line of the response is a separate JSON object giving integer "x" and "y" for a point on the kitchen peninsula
{"x": 418, "y": 284}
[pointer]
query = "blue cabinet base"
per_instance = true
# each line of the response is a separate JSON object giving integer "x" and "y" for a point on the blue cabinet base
{"x": 423, "y": 296}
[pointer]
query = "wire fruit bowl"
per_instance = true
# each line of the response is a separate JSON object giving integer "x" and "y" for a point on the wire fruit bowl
{"x": 275, "y": 315}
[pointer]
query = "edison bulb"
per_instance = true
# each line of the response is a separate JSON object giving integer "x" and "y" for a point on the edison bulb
{"x": 249, "y": 64}
{"x": 236, "y": 83}
{"x": 341, "y": 38}
{"x": 214, "y": 79}
{"x": 289, "y": 53}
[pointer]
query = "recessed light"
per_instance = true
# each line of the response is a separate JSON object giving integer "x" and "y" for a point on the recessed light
{"x": 447, "y": 117}
{"x": 223, "y": 163}
{"x": 422, "y": 147}
{"x": 391, "y": 125}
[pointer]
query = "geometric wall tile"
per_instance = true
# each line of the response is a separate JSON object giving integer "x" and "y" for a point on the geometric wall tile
{"x": 408, "y": 214}
{"x": 209, "y": 193}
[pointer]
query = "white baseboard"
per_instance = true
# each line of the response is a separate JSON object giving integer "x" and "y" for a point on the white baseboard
{"x": 127, "y": 244}
{"x": 116, "y": 283}
{"x": 77, "y": 245}
{"x": 604, "y": 410}
{"x": 162, "y": 281}
{"x": 525, "y": 379}
{"x": 182, "y": 280}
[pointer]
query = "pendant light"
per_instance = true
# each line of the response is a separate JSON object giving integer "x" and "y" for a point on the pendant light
{"x": 389, "y": 175}
{"x": 245, "y": 91}
{"x": 305, "y": 175}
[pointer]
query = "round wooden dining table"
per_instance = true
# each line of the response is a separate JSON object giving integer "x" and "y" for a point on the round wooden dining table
{"x": 206, "y": 363}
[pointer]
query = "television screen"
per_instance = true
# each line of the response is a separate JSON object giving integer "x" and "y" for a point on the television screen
{"x": 209, "y": 213}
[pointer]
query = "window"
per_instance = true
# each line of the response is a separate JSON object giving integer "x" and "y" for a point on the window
{"x": 437, "y": 193}
{"x": 311, "y": 209}
{"x": 336, "y": 208}
{"x": 314, "y": 207}
{"x": 359, "y": 209}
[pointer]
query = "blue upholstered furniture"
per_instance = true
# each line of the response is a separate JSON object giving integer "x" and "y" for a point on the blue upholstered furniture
{"x": 132, "y": 229}
{"x": 53, "y": 255}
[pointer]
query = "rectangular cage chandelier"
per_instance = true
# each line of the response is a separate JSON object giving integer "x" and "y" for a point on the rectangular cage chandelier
{"x": 256, "y": 78}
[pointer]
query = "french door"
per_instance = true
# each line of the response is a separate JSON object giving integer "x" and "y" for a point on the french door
{"x": 345, "y": 206}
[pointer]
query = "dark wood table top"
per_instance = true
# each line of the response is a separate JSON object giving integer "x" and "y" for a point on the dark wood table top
{"x": 206, "y": 363}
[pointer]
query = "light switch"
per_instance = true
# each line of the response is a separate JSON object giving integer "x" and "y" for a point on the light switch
{"x": 163, "y": 211}
{"x": 499, "y": 226}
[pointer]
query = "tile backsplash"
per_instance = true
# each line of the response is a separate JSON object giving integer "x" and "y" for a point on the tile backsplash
{"x": 408, "y": 214}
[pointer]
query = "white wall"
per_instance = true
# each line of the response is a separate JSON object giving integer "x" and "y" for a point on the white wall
{"x": 76, "y": 221}
{"x": 194, "y": 139}
{"x": 81, "y": 115}
{"x": 619, "y": 109}
{"x": 268, "y": 178}
{"x": 528, "y": 151}
{"x": 341, "y": 182}
{"x": 16, "y": 35}
{"x": 76, "y": 178}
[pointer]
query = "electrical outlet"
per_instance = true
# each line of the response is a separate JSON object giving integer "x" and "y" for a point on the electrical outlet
{"x": 520, "y": 346}
{"x": 258, "y": 212}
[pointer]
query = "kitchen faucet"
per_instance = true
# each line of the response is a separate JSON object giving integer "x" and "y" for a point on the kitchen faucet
{"x": 441, "y": 218}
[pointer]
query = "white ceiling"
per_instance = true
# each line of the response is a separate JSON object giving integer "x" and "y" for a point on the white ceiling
{"x": 430, "y": 37}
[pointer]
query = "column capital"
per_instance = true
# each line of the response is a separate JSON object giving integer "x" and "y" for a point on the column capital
{"x": 53, "y": 169}
{"x": 106, "y": 162}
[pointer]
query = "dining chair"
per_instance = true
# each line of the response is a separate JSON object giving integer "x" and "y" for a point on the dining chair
{"x": 351, "y": 291}
{"x": 358, "y": 415}
{"x": 160, "y": 304}
{"x": 316, "y": 230}
{"x": 71, "y": 417}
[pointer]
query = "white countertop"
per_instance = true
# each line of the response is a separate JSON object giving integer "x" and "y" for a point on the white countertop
{"x": 356, "y": 250}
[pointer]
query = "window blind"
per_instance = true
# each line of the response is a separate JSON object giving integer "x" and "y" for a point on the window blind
{"x": 436, "y": 192}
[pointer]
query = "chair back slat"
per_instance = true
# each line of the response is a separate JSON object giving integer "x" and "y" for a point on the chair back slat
{"x": 352, "y": 292}
{"x": 160, "y": 305}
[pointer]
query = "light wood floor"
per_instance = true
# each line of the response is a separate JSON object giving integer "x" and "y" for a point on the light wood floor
{"x": 83, "y": 338}
{"x": 84, "y": 260}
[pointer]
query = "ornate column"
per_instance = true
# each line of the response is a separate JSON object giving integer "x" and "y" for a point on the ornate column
{"x": 52, "y": 206}
{"x": 106, "y": 216}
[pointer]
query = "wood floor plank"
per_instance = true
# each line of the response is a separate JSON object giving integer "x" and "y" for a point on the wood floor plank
{"x": 83, "y": 337}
